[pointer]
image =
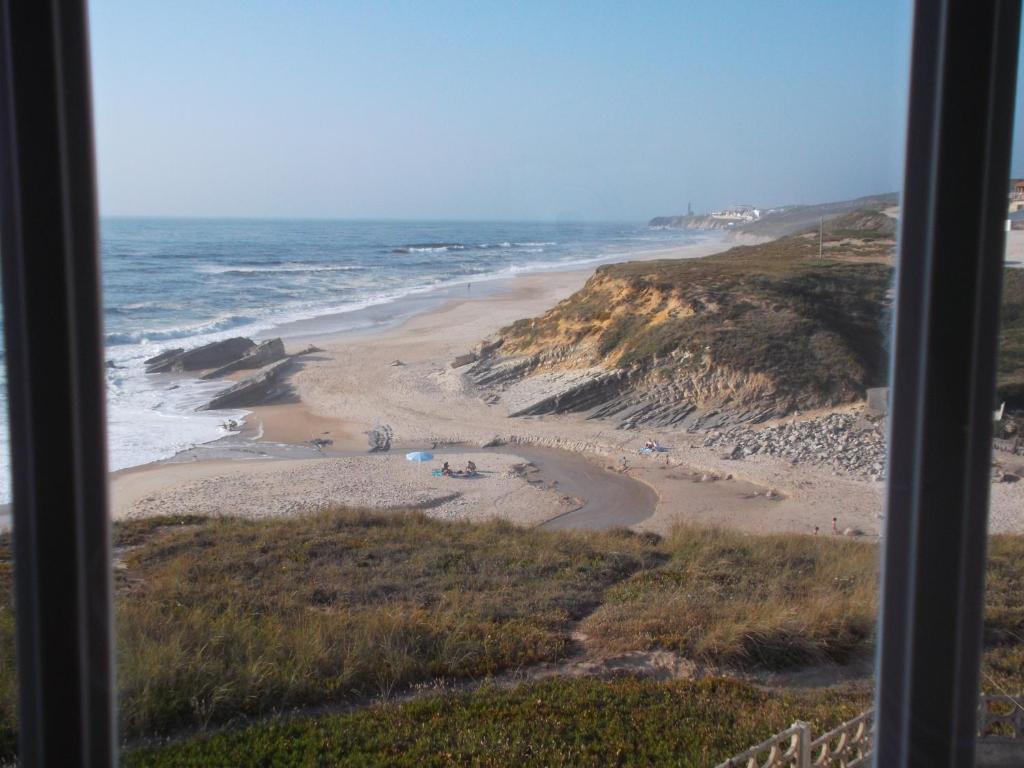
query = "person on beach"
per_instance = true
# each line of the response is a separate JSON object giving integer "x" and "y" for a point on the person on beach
{"x": 470, "y": 467}
{"x": 446, "y": 470}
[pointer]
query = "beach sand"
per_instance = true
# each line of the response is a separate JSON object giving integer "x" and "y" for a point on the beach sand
{"x": 401, "y": 377}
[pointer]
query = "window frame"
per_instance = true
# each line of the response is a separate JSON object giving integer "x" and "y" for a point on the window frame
{"x": 943, "y": 374}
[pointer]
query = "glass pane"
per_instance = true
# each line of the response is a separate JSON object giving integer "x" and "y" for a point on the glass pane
{"x": 1001, "y": 712}
{"x": 8, "y": 668}
{"x": 522, "y": 369}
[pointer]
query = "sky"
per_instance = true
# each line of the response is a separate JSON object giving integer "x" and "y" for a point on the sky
{"x": 495, "y": 110}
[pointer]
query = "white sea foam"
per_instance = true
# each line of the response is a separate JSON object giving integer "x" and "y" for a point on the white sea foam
{"x": 149, "y": 335}
{"x": 227, "y": 269}
{"x": 153, "y": 417}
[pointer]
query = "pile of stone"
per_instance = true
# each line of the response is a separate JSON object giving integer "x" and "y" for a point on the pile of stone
{"x": 847, "y": 443}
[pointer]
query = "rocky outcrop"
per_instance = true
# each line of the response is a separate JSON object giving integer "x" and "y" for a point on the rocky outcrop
{"x": 158, "y": 360}
{"x": 255, "y": 357}
{"x": 211, "y": 355}
{"x": 553, "y": 391}
{"x": 462, "y": 360}
{"x": 266, "y": 385}
{"x": 753, "y": 334}
{"x": 262, "y": 387}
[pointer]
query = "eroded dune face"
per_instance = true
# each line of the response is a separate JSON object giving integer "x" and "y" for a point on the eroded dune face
{"x": 755, "y": 333}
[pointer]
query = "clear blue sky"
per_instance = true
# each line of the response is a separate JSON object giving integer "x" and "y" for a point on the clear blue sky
{"x": 495, "y": 110}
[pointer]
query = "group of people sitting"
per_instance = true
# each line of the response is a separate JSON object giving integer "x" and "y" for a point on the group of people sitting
{"x": 652, "y": 445}
{"x": 469, "y": 471}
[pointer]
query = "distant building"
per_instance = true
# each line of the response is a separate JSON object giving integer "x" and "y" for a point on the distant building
{"x": 1016, "y": 195}
{"x": 737, "y": 213}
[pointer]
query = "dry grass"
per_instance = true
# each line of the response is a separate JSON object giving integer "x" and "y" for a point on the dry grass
{"x": 220, "y": 619}
{"x": 813, "y": 328}
{"x": 722, "y": 597}
{"x": 229, "y": 617}
{"x": 1003, "y": 668}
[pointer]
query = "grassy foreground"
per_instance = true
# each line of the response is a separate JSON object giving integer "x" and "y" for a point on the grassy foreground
{"x": 225, "y": 617}
{"x": 567, "y": 722}
{"x": 219, "y": 620}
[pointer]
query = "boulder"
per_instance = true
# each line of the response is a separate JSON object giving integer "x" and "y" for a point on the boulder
{"x": 487, "y": 347}
{"x": 379, "y": 438}
{"x": 261, "y": 387}
{"x": 462, "y": 360}
{"x": 256, "y": 357}
{"x": 211, "y": 355}
{"x": 163, "y": 356}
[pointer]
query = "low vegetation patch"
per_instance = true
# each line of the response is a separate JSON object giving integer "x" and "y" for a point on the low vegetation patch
{"x": 561, "y": 722}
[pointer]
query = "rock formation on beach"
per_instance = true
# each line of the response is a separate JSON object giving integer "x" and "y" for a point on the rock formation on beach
{"x": 212, "y": 355}
{"x": 755, "y": 333}
{"x": 255, "y": 357}
{"x": 220, "y": 358}
{"x": 266, "y": 385}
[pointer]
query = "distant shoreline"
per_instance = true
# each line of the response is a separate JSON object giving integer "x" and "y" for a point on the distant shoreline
{"x": 398, "y": 373}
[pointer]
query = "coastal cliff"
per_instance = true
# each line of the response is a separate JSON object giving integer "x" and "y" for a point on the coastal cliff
{"x": 751, "y": 334}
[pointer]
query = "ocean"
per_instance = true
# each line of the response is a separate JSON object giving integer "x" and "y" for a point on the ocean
{"x": 185, "y": 282}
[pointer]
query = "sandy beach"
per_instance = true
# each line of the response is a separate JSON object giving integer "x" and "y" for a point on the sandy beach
{"x": 401, "y": 377}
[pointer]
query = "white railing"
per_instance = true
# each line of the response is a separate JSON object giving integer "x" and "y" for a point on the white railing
{"x": 850, "y": 745}
{"x": 847, "y": 746}
{"x": 788, "y": 749}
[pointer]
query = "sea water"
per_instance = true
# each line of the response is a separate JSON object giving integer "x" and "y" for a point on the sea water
{"x": 185, "y": 282}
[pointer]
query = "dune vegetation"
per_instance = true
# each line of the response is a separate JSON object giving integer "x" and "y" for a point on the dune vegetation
{"x": 223, "y": 621}
{"x": 758, "y": 329}
{"x": 561, "y": 722}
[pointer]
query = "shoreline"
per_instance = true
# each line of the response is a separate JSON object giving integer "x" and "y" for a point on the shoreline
{"x": 399, "y": 375}
{"x": 280, "y": 433}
